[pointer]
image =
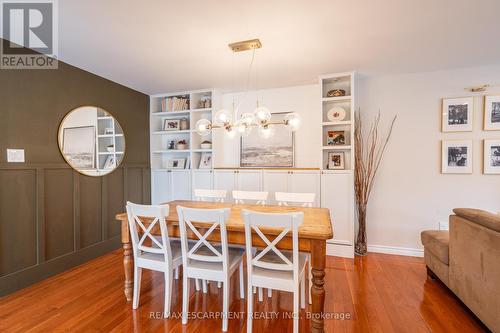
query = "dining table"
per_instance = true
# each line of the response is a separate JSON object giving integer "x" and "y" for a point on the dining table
{"x": 314, "y": 232}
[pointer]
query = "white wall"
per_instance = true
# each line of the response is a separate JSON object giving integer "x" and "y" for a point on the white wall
{"x": 302, "y": 99}
{"x": 410, "y": 193}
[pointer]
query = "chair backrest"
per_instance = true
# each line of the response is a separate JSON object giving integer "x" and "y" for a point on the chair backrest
{"x": 286, "y": 222}
{"x": 210, "y": 195}
{"x": 198, "y": 219}
{"x": 258, "y": 197}
{"x": 139, "y": 236}
{"x": 303, "y": 199}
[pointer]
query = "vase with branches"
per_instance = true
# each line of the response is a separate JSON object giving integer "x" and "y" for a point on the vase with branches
{"x": 368, "y": 156}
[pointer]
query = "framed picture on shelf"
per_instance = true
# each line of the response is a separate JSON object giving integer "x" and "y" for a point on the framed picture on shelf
{"x": 205, "y": 161}
{"x": 457, "y": 114}
{"x": 491, "y": 157}
{"x": 336, "y": 161}
{"x": 176, "y": 163}
{"x": 492, "y": 113}
{"x": 456, "y": 156}
{"x": 335, "y": 138}
{"x": 110, "y": 162}
{"x": 172, "y": 125}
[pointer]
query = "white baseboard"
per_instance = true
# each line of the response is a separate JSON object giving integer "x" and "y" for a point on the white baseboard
{"x": 340, "y": 250}
{"x": 402, "y": 251}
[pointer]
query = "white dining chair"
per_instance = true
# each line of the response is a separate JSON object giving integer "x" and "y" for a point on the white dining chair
{"x": 256, "y": 197}
{"x": 271, "y": 267}
{"x": 163, "y": 255}
{"x": 303, "y": 200}
{"x": 203, "y": 260}
{"x": 210, "y": 195}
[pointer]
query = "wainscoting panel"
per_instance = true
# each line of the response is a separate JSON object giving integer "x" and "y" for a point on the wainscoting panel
{"x": 53, "y": 218}
{"x": 18, "y": 227}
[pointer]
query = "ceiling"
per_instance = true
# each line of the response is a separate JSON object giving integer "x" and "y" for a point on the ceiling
{"x": 159, "y": 46}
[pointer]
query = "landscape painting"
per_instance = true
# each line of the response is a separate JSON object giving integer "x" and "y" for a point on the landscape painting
{"x": 276, "y": 151}
{"x": 79, "y": 146}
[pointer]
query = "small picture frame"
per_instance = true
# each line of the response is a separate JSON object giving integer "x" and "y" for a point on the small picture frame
{"x": 456, "y": 156}
{"x": 335, "y": 138}
{"x": 172, "y": 125}
{"x": 492, "y": 113}
{"x": 491, "y": 157}
{"x": 336, "y": 161}
{"x": 110, "y": 162}
{"x": 176, "y": 163}
{"x": 457, "y": 114}
{"x": 205, "y": 161}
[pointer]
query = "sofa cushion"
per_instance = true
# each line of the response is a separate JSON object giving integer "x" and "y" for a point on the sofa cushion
{"x": 437, "y": 242}
{"x": 486, "y": 219}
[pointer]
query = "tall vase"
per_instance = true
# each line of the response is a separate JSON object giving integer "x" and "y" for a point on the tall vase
{"x": 361, "y": 247}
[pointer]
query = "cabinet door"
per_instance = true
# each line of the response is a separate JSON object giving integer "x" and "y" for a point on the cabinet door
{"x": 249, "y": 180}
{"x": 337, "y": 194}
{"x": 160, "y": 187}
{"x": 181, "y": 185}
{"x": 225, "y": 180}
{"x": 203, "y": 179}
{"x": 274, "y": 181}
{"x": 305, "y": 181}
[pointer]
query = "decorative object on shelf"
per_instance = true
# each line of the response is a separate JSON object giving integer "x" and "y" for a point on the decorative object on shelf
{"x": 205, "y": 161}
{"x": 176, "y": 163}
{"x": 110, "y": 148}
{"x": 108, "y": 131}
{"x": 226, "y": 119}
{"x": 337, "y": 113}
{"x": 110, "y": 162}
{"x": 175, "y": 103}
{"x": 184, "y": 124}
{"x": 336, "y": 161}
{"x": 368, "y": 156}
{"x": 456, "y": 156}
{"x": 457, "y": 114}
{"x": 277, "y": 151}
{"x": 492, "y": 113}
{"x": 206, "y": 144}
{"x": 182, "y": 145}
{"x": 335, "y": 93}
{"x": 335, "y": 138}
{"x": 171, "y": 145}
{"x": 205, "y": 102}
{"x": 491, "y": 157}
{"x": 172, "y": 125}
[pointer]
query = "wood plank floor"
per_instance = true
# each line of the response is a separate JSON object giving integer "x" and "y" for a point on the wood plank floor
{"x": 377, "y": 293}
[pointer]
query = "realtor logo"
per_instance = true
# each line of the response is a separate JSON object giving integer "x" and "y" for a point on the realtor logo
{"x": 29, "y": 33}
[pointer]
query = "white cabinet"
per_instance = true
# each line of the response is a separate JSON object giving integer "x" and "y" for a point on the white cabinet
{"x": 181, "y": 185}
{"x": 160, "y": 186}
{"x": 249, "y": 180}
{"x": 203, "y": 179}
{"x": 295, "y": 181}
{"x": 337, "y": 194}
{"x": 169, "y": 185}
{"x": 225, "y": 180}
{"x": 275, "y": 181}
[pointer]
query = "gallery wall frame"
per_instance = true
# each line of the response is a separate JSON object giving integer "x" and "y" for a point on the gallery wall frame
{"x": 491, "y": 113}
{"x": 457, "y": 114}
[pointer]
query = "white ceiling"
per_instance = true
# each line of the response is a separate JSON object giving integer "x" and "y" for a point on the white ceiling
{"x": 158, "y": 46}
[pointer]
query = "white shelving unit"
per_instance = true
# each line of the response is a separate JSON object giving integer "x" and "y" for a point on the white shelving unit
{"x": 104, "y": 139}
{"x": 337, "y": 186}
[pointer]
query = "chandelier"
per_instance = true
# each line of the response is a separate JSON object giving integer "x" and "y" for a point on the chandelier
{"x": 259, "y": 119}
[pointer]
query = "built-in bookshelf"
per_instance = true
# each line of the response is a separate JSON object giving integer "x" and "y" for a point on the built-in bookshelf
{"x": 110, "y": 142}
{"x": 332, "y": 127}
{"x": 173, "y": 136}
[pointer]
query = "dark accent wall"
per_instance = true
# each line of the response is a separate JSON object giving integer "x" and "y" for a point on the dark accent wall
{"x": 51, "y": 217}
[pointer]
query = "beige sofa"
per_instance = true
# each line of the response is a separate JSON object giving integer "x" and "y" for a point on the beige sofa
{"x": 467, "y": 260}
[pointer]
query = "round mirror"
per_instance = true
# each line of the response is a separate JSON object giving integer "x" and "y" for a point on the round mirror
{"x": 91, "y": 140}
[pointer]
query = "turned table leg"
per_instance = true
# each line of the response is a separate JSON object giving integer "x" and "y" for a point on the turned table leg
{"x": 318, "y": 259}
{"x": 128, "y": 261}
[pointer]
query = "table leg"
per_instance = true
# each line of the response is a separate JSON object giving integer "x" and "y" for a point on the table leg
{"x": 318, "y": 259}
{"x": 128, "y": 261}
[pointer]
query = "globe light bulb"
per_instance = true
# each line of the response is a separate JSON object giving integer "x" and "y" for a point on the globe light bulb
{"x": 244, "y": 129}
{"x": 247, "y": 118}
{"x": 293, "y": 121}
{"x": 223, "y": 117}
{"x": 262, "y": 114}
{"x": 203, "y": 127}
{"x": 266, "y": 131}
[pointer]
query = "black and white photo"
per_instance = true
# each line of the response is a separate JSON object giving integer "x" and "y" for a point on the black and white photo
{"x": 457, "y": 114}
{"x": 456, "y": 156}
{"x": 492, "y": 113}
{"x": 492, "y": 156}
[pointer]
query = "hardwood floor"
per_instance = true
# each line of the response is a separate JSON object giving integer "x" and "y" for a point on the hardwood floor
{"x": 377, "y": 293}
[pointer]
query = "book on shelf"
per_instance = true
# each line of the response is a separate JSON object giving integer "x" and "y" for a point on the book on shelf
{"x": 175, "y": 103}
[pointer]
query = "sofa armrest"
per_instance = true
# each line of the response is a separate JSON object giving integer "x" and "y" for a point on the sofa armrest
{"x": 484, "y": 218}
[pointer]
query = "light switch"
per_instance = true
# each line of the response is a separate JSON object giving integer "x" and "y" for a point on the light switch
{"x": 15, "y": 155}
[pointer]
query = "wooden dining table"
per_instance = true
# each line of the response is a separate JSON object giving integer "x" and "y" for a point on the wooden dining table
{"x": 315, "y": 230}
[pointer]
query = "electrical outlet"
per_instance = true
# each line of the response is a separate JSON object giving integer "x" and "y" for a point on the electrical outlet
{"x": 443, "y": 225}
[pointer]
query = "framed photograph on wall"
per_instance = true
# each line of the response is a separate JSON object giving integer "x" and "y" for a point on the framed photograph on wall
{"x": 491, "y": 157}
{"x": 492, "y": 113}
{"x": 336, "y": 161}
{"x": 456, "y": 156}
{"x": 457, "y": 114}
{"x": 172, "y": 125}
